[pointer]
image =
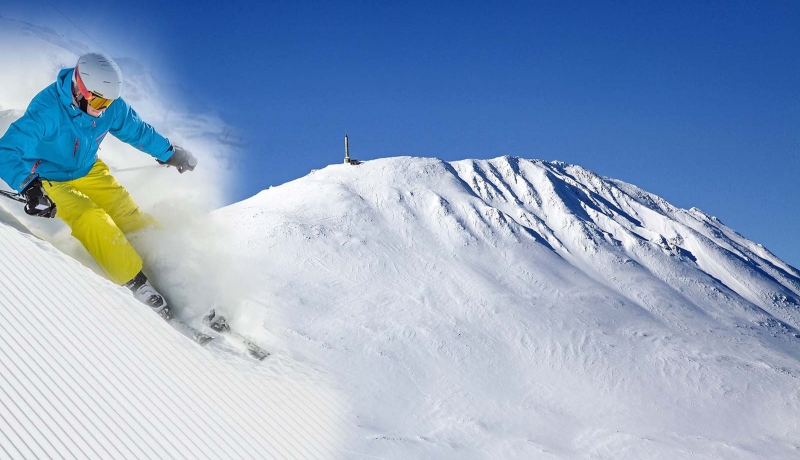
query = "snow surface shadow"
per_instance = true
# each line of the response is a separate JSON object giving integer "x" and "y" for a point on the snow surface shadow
{"x": 529, "y": 231}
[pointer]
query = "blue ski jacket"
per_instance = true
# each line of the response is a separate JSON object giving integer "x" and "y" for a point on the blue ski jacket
{"x": 55, "y": 140}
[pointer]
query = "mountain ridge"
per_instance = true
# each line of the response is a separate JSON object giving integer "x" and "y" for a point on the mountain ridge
{"x": 525, "y": 309}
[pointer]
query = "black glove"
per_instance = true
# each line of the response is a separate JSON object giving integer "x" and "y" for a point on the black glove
{"x": 181, "y": 159}
{"x": 37, "y": 203}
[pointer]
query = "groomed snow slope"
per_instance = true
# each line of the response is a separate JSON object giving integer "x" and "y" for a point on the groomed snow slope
{"x": 88, "y": 372}
{"x": 516, "y": 309}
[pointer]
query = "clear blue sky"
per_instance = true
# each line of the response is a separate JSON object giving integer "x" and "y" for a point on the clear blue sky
{"x": 696, "y": 101}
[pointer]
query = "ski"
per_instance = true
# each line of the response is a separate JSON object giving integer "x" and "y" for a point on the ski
{"x": 220, "y": 325}
{"x": 195, "y": 335}
{"x": 192, "y": 333}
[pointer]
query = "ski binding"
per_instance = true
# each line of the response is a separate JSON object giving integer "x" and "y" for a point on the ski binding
{"x": 219, "y": 324}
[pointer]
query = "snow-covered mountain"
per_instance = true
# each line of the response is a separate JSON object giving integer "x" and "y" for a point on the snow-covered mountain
{"x": 524, "y": 309}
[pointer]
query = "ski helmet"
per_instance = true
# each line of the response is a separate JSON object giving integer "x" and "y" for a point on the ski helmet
{"x": 96, "y": 81}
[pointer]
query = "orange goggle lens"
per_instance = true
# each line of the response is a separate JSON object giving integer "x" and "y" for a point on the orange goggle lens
{"x": 99, "y": 103}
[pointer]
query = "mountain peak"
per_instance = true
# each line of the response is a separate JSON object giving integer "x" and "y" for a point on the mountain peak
{"x": 578, "y": 215}
{"x": 548, "y": 298}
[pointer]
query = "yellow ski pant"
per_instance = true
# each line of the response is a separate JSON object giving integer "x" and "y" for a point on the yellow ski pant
{"x": 100, "y": 212}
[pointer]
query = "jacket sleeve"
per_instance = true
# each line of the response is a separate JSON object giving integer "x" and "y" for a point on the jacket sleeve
{"x": 22, "y": 137}
{"x": 129, "y": 128}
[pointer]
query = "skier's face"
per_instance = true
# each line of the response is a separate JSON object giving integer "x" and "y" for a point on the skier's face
{"x": 94, "y": 112}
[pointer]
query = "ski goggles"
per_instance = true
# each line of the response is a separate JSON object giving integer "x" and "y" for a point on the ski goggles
{"x": 94, "y": 100}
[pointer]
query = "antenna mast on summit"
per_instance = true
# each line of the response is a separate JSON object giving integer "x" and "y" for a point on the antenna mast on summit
{"x": 347, "y": 158}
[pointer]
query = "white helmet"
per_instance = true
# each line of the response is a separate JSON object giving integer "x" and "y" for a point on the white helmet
{"x": 97, "y": 79}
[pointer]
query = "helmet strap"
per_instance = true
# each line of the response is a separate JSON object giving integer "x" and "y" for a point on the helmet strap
{"x": 83, "y": 104}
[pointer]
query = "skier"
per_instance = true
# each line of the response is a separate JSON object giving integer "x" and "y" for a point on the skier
{"x": 50, "y": 157}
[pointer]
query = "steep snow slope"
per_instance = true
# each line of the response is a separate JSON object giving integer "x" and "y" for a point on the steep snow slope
{"x": 522, "y": 309}
{"x": 87, "y": 372}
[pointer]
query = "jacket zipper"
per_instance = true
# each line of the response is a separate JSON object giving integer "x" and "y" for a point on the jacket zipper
{"x": 75, "y": 151}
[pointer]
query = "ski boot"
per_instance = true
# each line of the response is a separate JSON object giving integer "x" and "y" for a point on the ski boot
{"x": 145, "y": 293}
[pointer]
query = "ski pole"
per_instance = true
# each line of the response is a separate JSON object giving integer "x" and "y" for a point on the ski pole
{"x": 13, "y": 196}
{"x": 137, "y": 168}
